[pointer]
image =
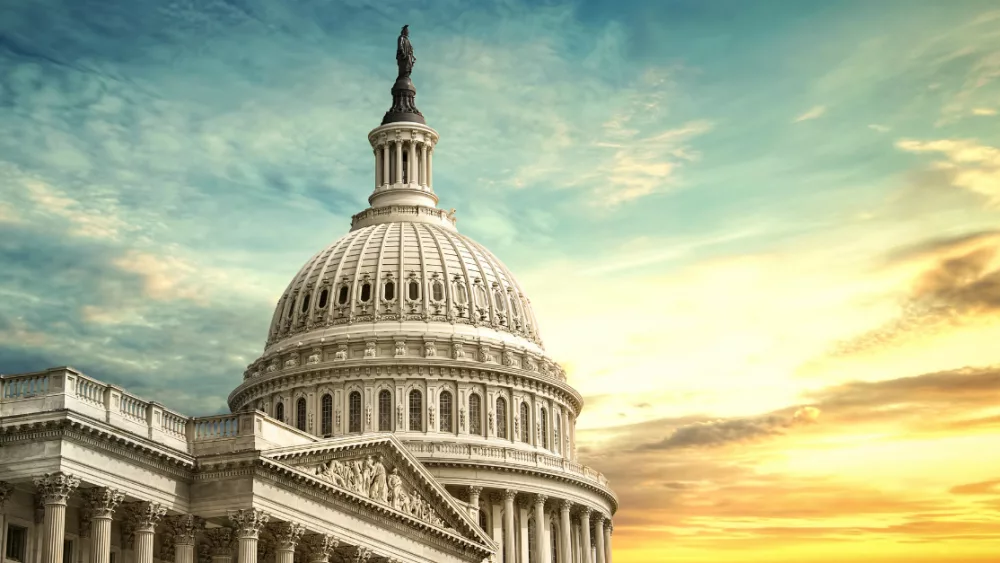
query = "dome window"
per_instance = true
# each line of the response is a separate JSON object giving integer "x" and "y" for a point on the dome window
{"x": 324, "y": 296}
{"x": 413, "y": 290}
{"x": 460, "y": 296}
{"x": 305, "y": 303}
{"x": 483, "y": 298}
{"x": 354, "y": 412}
{"x": 501, "y": 302}
{"x": 437, "y": 290}
{"x": 389, "y": 290}
{"x": 342, "y": 296}
{"x": 366, "y": 292}
{"x": 475, "y": 415}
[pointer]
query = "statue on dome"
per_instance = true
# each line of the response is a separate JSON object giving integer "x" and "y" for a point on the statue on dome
{"x": 404, "y": 53}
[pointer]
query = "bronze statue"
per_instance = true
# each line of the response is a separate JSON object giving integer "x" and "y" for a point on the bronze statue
{"x": 404, "y": 53}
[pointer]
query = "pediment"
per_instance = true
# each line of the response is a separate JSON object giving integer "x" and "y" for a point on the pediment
{"x": 382, "y": 470}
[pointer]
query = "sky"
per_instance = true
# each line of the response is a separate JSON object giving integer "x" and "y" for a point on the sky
{"x": 762, "y": 237}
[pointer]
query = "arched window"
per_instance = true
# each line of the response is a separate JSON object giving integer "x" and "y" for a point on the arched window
{"x": 557, "y": 437}
{"x": 343, "y": 295}
{"x": 525, "y": 423}
{"x": 384, "y": 411}
{"x": 544, "y": 422}
{"x": 413, "y": 290}
{"x": 354, "y": 412}
{"x": 389, "y": 290}
{"x": 366, "y": 292}
{"x": 300, "y": 413}
{"x": 416, "y": 411}
{"x": 324, "y": 296}
{"x": 445, "y": 401}
{"x": 326, "y": 414}
{"x": 501, "y": 417}
{"x": 279, "y": 412}
{"x": 406, "y": 168}
{"x": 305, "y": 303}
{"x": 475, "y": 415}
{"x": 437, "y": 291}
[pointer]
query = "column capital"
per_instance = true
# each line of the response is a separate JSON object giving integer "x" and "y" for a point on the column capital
{"x": 143, "y": 515}
{"x": 475, "y": 490}
{"x": 55, "y": 488}
{"x": 220, "y": 540}
{"x": 509, "y": 494}
{"x": 319, "y": 547}
{"x": 585, "y": 512}
{"x": 565, "y": 505}
{"x": 101, "y": 502}
{"x": 360, "y": 555}
{"x": 286, "y": 534}
{"x": 184, "y": 527}
{"x": 248, "y": 522}
{"x": 540, "y": 499}
{"x": 597, "y": 518}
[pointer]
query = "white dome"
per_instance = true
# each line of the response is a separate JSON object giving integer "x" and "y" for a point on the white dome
{"x": 405, "y": 271}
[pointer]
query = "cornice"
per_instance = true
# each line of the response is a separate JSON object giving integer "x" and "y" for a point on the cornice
{"x": 67, "y": 424}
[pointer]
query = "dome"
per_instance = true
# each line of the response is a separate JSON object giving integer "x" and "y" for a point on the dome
{"x": 385, "y": 276}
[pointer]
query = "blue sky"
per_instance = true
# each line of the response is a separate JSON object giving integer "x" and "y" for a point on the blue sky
{"x": 740, "y": 205}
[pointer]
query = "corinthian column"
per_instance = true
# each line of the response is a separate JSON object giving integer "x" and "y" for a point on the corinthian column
{"x": 384, "y": 179}
{"x": 399, "y": 163}
{"x": 541, "y": 555}
{"x": 474, "y": 493}
{"x": 286, "y": 538}
{"x": 510, "y": 555}
{"x": 144, "y": 516}
{"x": 220, "y": 544}
{"x": 101, "y": 502}
{"x": 319, "y": 547}
{"x": 183, "y": 528}
{"x": 565, "y": 533}
{"x": 6, "y": 489}
{"x": 585, "y": 531}
{"x": 54, "y": 489}
{"x": 248, "y": 524}
{"x": 599, "y": 537}
{"x": 607, "y": 541}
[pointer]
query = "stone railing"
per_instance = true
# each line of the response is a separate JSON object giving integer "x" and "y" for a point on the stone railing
{"x": 65, "y": 389}
{"x": 476, "y": 452}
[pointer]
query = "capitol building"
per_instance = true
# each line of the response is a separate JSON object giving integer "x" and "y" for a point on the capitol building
{"x": 403, "y": 409}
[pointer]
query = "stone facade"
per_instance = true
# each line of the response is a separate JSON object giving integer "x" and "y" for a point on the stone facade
{"x": 404, "y": 409}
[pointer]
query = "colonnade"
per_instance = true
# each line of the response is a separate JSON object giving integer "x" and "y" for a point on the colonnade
{"x": 140, "y": 520}
{"x": 564, "y": 531}
{"x": 416, "y": 168}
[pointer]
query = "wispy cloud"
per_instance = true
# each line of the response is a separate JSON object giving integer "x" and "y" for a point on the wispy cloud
{"x": 814, "y": 113}
{"x": 967, "y": 164}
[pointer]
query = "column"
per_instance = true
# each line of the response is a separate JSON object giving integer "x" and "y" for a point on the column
{"x": 220, "y": 544}
{"x": 399, "y": 163}
{"x": 144, "y": 516}
{"x": 101, "y": 502}
{"x": 474, "y": 501}
{"x": 54, "y": 489}
{"x": 497, "y": 521}
{"x": 585, "y": 533}
{"x": 430, "y": 166}
{"x": 184, "y": 528}
{"x": 286, "y": 537}
{"x": 319, "y": 547}
{"x": 247, "y": 524}
{"x": 411, "y": 161}
{"x": 510, "y": 554}
{"x": 541, "y": 554}
{"x": 599, "y": 537}
{"x": 607, "y": 541}
{"x": 385, "y": 164}
{"x": 6, "y": 490}
{"x": 565, "y": 531}
{"x": 378, "y": 169}
{"x": 522, "y": 518}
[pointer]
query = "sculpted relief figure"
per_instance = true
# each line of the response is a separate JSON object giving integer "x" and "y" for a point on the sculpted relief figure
{"x": 368, "y": 477}
{"x": 395, "y": 484}
{"x": 379, "y": 488}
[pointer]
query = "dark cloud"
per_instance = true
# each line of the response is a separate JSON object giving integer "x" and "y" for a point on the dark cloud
{"x": 962, "y": 286}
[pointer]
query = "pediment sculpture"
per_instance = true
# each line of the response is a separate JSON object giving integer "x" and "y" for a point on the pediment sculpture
{"x": 369, "y": 478}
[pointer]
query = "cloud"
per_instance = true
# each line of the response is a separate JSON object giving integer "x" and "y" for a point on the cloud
{"x": 968, "y": 165}
{"x": 879, "y": 128}
{"x": 813, "y": 113}
{"x": 984, "y": 111}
